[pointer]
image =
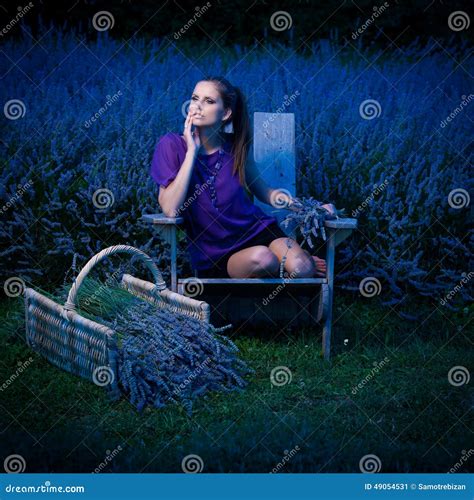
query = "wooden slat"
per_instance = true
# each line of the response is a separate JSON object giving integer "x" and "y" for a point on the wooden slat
{"x": 342, "y": 229}
{"x": 345, "y": 223}
{"x": 254, "y": 281}
{"x": 161, "y": 219}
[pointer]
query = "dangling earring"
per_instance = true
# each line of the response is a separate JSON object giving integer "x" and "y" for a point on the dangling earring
{"x": 229, "y": 128}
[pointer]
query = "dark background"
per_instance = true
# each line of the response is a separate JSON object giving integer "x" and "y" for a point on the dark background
{"x": 244, "y": 21}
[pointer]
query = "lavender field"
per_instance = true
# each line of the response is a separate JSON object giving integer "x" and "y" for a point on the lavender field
{"x": 387, "y": 135}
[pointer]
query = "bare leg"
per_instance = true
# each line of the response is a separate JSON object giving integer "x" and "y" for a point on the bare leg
{"x": 253, "y": 262}
{"x": 299, "y": 263}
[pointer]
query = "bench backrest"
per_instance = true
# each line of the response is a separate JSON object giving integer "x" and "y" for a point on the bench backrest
{"x": 274, "y": 155}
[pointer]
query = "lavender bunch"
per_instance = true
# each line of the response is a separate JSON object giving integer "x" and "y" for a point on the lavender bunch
{"x": 164, "y": 357}
{"x": 307, "y": 215}
{"x": 173, "y": 358}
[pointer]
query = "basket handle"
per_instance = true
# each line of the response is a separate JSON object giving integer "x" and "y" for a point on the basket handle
{"x": 160, "y": 284}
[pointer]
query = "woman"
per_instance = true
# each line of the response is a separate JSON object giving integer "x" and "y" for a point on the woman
{"x": 205, "y": 176}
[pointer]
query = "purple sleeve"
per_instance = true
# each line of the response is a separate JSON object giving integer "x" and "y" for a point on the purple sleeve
{"x": 165, "y": 164}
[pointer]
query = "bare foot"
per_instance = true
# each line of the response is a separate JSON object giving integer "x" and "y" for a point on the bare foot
{"x": 320, "y": 266}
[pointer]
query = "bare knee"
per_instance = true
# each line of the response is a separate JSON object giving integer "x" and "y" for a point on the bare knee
{"x": 264, "y": 261}
{"x": 300, "y": 266}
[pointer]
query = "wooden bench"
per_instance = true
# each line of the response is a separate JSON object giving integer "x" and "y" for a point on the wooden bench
{"x": 236, "y": 300}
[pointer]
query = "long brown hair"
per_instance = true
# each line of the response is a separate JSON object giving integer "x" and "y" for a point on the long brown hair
{"x": 234, "y": 99}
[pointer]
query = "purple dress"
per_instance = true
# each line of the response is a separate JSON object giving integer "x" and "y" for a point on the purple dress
{"x": 210, "y": 233}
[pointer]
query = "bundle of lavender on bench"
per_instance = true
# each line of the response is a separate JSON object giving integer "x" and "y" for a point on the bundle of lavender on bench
{"x": 307, "y": 215}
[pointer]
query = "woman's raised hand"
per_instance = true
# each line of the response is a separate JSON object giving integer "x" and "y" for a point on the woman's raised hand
{"x": 191, "y": 133}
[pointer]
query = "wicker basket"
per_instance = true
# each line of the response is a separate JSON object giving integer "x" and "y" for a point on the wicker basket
{"x": 87, "y": 348}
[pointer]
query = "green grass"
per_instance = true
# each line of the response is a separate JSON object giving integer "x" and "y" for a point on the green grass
{"x": 407, "y": 414}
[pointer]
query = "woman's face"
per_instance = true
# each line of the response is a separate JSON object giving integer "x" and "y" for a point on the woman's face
{"x": 208, "y": 105}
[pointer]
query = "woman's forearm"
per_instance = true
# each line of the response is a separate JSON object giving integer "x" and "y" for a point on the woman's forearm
{"x": 261, "y": 190}
{"x": 263, "y": 194}
{"x": 173, "y": 196}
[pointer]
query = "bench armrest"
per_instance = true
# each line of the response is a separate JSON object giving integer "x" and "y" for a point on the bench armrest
{"x": 167, "y": 228}
{"x": 340, "y": 229}
{"x": 340, "y": 223}
{"x": 161, "y": 219}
